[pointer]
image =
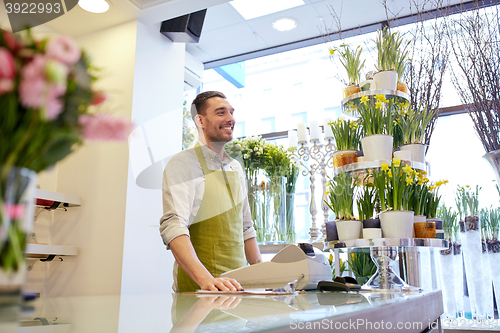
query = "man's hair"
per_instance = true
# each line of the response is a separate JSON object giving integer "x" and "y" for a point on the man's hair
{"x": 198, "y": 105}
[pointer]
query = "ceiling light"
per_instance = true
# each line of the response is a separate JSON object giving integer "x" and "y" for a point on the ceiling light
{"x": 94, "y": 6}
{"x": 250, "y": 9}
{"x": 284, "y": 24}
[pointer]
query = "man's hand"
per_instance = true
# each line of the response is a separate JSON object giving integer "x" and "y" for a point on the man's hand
{"x": 220, "y": 302}
{"x": 221, "y": 283}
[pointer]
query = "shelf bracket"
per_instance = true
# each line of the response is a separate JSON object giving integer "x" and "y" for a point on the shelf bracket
{"x": 49, "y": 258}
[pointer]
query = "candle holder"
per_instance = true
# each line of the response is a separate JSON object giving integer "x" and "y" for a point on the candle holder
{"x": 320, "y": 157}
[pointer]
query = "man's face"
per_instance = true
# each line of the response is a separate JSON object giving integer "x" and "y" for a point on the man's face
{"x": 218, "y": 122}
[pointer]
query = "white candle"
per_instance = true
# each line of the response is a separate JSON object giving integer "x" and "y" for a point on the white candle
{"x": 314, "y": 129}
{"x": 292, "y": 138}
{"x": 328, "y": 129}
{"x": 302, "y": 132}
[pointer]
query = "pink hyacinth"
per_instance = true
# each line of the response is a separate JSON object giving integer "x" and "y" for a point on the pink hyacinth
{"x": 63, "y": 49}
{"x": 105, "y": 127}
{"x": 11, "y": 42}
{"x": 13, "y": 212}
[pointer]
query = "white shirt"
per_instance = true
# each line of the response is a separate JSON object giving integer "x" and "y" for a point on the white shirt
{"x": 183, "y": 188}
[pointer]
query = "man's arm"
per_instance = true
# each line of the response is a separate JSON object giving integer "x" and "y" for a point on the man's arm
{"x": 186, "y": 257}
{"x": 252, "y": 251}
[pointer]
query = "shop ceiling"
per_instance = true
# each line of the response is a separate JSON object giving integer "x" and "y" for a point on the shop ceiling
{"x": 227, "y": 37}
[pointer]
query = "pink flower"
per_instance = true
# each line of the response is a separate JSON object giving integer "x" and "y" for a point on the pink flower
{"x": 37, "y": 92}
{"x": 13, "y": 212}
{"x": 99, "y": 97}
{"x": 104, "y": 127}
{"x": 6, "y": 86}
{"x": 63, "y": 49}
{"x": 7, "y": 64}
{"x": 11, "y": 42}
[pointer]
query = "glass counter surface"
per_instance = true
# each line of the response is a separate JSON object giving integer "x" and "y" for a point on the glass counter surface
{"x": 315, "y": 311}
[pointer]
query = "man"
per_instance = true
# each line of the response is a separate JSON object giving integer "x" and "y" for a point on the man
{"x": 206, "y": 221}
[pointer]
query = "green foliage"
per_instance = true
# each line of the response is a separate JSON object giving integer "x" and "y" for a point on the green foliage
{"x": 467, "y": 201}
{"x": 361, "y": 265}
{"x": 449, "y": 218}
{"x": 366, "y": 202}
{"x": 347, "y": 134}
{"x": 189, "y": 131}
{"x": 351, "y": 61}
{"x": 340, "y": 195}
{"x": 390, "y": 56}
{"x": 377, "y": 117}
{"x": 413, "y": 122}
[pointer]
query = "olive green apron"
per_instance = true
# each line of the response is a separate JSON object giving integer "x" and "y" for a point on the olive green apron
{"x": 217, "y": 230}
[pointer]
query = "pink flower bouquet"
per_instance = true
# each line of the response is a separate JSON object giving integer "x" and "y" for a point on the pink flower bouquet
{"x": 47, "y": 101}
{"x": 47, "y": 110}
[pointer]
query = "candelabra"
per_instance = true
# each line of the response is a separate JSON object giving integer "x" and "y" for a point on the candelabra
{"x": 320, "y": 157}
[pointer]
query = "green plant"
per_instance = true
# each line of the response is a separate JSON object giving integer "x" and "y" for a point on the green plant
{"x": 413, "y": 123}
{"x": 332, "y": 264}
{"x": 419, "y": 198}
{"x": 347, "y": 134}
{"x": 433, "y": 198}
{"x": 340, "y": 195}
{"x": 392, "y": 184}
{"x": 366, "y": 202}
{"x": 362, "y": 266}
{"x": 351, "y": 61}
{"x": 389, "y": 55}
{"x": 377, "y": 115}
{"x": 494, "y": 223}
{"x": 449, "y": 218}
{"x": 467, "y": 201}
{"x": 249, "y": 151}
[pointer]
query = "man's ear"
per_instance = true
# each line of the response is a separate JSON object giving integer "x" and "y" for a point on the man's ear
{"x": 198, "y": 120}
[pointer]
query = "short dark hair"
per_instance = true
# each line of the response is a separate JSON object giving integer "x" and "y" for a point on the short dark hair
{"x": 197, "y": 107}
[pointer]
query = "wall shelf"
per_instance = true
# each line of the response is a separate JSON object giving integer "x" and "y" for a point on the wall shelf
{"x": 38, "y": 251}
{"x": 48, "y": 198}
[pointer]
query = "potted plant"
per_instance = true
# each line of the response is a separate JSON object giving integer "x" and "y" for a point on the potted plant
{"x": 377, "y": 121}
{"x": 366, "y": 211}
{"x": 351, "y": 60}
{"x": 340, "y": 199}
{"x": 418, "y": 201}
{"x": 400, "y": 64}
{"x": 347, "y": 135}
{"x": 413, "y": 124}
{"x": 362, "y": 266}
{"x": 388, "y": 45}
{"x": 391, "y": 182}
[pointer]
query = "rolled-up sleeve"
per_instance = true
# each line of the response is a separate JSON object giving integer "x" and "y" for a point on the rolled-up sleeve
{"x": 178, "y": 191}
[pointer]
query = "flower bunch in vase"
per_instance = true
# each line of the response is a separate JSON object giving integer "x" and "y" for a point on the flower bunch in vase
{"x": 49, "y": 107}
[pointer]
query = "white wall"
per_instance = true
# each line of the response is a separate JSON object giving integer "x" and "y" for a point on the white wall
{"x": 157, "y": 111}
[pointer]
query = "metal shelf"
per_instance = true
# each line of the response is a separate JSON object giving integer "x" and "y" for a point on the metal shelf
{"x": 370, "y": 93}
{"x": 361, "y": 166}
{"x": 380, "y": 242}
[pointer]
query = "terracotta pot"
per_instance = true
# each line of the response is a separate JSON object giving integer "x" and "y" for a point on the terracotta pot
{"x": 351, "y": 89}
{"x": 425, "y": 229}
{"x": 344, "y": 157}
{"x": 402, "y": 87}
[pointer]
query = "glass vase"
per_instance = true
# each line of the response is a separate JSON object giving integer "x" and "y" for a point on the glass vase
{"x": 255, "y": 201}
{"x": 290, "y": 218}
{"x": 275, "y": 203}
{"x": 17, "y": 186}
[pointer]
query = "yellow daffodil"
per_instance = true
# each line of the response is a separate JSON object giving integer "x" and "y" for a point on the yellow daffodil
{"x": 407, "y": 104}
{"x": 365, "y": 99}
{"x": 354, "y": 125}
{"x": 381, "y": 98}
{"x": 408, "y": 170}
{"x": 389, "y": 173}
{"x": 445, "y": 182}
{"x": 409, "y": 180}
{"x": 332, "y": 51}
{"x": 432, "y": 188}
{"x": 396, "y": 162}
{"x": 385, "y": 166}
{"x": 379, "y": 105}
{"x": 439, "y": 183}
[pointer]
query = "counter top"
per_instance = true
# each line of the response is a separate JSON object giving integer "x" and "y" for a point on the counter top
{"x": 315, "y": 311}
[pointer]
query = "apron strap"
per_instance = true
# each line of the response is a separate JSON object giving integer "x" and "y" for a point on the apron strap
{"x": 207, "y": 171}
{"x": 201, "y": 158}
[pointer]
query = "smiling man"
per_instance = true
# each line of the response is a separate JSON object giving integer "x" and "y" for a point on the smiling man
{"x": 206, "y": 219}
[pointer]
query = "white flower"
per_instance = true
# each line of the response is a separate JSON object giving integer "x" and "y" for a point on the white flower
{"x": 256, "y": 148}
{"x": 246, "y": 156}
{"x": 238, "y": 146}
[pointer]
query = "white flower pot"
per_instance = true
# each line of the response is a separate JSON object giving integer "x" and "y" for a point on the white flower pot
{"x": 397, "y": 224}
{"x": 417, "y": 151}
{"x": 377, "y": 147}
{"x": 387, "y": 80}
{"x": 372, "y": 233}
{"x": 347, "y": 230}
{"x": 403, "y": 155}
